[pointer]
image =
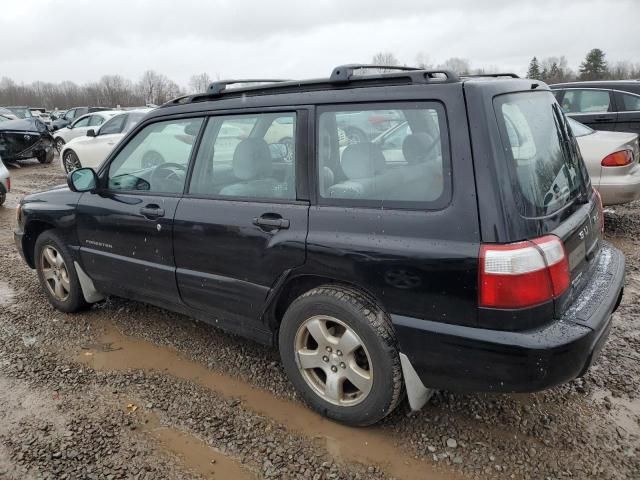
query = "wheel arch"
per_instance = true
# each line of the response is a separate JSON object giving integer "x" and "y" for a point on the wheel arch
{"x": 296, "y": 285}
{"x": 32, "y": 231}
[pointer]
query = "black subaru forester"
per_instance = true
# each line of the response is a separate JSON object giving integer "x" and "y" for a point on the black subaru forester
{"x": 460, "y": 248}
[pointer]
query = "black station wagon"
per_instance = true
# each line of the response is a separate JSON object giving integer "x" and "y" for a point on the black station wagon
{"x": 460, "y": 249}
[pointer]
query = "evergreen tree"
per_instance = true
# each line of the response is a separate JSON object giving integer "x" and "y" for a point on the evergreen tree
{"x": 534, "y": 70}
{"x": 594, "y": 66}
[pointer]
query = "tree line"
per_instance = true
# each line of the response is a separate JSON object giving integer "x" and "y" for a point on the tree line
{"x": 110, "y": 91}
{"x": 156, "y": 88}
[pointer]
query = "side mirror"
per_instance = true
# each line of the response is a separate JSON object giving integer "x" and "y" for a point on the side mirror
{"x": 69, "y": 126}
{"x": 82, "y": 180}
{"x": 91, "y": 132}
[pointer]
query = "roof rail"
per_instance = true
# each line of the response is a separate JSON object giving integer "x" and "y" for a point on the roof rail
{"x": 345, "y": 73}
{"x": 493, "y": 75}
{"x": 216, "y": 88}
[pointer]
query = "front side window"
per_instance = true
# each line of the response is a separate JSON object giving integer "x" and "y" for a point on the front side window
{"x": 630, "y": 102}
{"x": 113, "y": 125}
{"x": 247, "y": 156}
{"x": 541, "y": 155}
{"x": 406, "y": 162}
{"x": 586, "y": 101}
{"x": 70, "y": 115}
{"x": 156, "y": 158}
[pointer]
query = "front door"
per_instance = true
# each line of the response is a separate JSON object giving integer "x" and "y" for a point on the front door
{"x": 243, "y": 223}
{"x": 591, "y": 106}
{"x": 125, "y": 229}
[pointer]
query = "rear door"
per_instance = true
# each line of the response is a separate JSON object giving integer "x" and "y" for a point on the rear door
{"x": 243, "y": 223}
{"x": 628, "y": 112}
{"x": 591, "y": 106}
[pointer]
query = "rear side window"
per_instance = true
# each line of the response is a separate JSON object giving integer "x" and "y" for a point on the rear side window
{"x": 540, "y": 152}
{"x": 630, "y": 102}
{"x": 391, "y": 155}
{"x": 586, "y": 101}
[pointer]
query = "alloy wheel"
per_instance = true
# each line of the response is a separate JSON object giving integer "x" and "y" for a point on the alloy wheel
{"x": 55, "y": 273}
{"x": 333, "y": 360}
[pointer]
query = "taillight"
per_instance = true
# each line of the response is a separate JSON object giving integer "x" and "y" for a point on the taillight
{"x": 618, "y": 159}
{"x": 600, "y": 209}
{"x": 522, "y": 274}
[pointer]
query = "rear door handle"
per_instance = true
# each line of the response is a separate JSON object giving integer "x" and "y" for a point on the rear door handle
{"x": 152, "y": 211}
{"x": 271, "y": 222}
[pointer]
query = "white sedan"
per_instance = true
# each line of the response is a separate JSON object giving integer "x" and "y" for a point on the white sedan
{"x": 5, "y": 182}
{"x": 91, "y": 149}
{"x": 612, "y": 160}
{"x": 81, "y": 126}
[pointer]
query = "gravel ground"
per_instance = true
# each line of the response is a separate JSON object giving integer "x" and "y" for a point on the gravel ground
{"x": 126, "y": 390}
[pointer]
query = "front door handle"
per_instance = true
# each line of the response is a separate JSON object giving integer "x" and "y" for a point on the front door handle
{"x": 152, "y": 211}
{"x": 603, "y": 119}
{"x": 271, "y": 222}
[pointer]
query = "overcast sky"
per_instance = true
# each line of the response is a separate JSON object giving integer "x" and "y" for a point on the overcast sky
{"x": 80, "y": 40}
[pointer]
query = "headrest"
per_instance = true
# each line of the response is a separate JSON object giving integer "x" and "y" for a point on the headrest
{"x": 252, "y": 159}
{"x": 416, "y": 146}
{"x": 362, "y": 160}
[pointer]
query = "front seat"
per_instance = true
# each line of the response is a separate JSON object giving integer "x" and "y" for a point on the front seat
{"x": 252, "y": 164}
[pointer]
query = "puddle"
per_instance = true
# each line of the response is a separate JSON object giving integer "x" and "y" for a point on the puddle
{"x": 194, "y": 454}
{"x": 367, "y": 446}
{"x": 7, "y": 295}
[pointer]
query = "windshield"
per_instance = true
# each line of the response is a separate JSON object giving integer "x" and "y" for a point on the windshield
{"x": 579, "y": 129}
{"x": 540, "y": 151}
{"x": 22, "y": 112}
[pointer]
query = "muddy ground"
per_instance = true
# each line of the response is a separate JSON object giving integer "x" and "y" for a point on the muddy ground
{"x": 127, "y": 390}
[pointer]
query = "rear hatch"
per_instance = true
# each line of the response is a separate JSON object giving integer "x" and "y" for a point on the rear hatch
{"x": 550, "y": 182}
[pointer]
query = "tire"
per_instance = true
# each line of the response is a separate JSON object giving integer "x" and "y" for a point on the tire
{"x": 379, "y": 378}
{"x": 3, "y": 197}
{"x": 70, "y": 161}
{"x": 355, "y": 135}
{"x": 288, "y": 143}
{"x": 44, "y": 158}
{"x": 58, "y": 269}
{"x": 59, "y": 144}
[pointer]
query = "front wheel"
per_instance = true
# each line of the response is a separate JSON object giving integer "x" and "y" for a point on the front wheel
{"x": 70, "y": 161}
{"x": 3, "y": 197}
{"x": 340, "y": 351}
{"x": 57, "y": 274}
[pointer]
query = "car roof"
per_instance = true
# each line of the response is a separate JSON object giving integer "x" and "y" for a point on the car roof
{"x": 338, "y": 87}
{"x": 598, "y": 83}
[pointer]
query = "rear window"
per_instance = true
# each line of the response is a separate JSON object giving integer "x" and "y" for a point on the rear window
{"x": 541, "y": 153}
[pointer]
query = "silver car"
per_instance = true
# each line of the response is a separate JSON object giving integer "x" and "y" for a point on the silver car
{"x": 5, "y": 182}
{"x": 612, "y": 162}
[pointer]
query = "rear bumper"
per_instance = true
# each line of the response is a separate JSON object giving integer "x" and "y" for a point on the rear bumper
{"x": 461, "y": 358}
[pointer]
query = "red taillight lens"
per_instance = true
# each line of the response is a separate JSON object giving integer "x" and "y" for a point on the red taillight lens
{"x": 618, "y": 159}
{"x": 522, "y": 274}
{"x": 377, "y": 119}
{"x": 600, "y": 209}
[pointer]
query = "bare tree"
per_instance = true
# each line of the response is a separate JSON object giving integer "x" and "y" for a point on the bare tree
{"x": 387, "y": 59}
{"x": 423, "y": 61}
{"x": 457, "y": 65}
{"x": 199, "y": 83}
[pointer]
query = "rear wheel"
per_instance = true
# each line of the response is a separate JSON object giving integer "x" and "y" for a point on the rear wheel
{"x": 3, "y": 197}
{"x": 43, "y": 157}
{"x": 59, "y": 144}
{"x": 57, "y": 274}
{"x": 340, "y": 352}
{"x": 355, "y": 135}
{"x": 70, "y": 161}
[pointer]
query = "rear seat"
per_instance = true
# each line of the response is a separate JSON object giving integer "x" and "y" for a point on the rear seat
{"x": 368, "y": 177}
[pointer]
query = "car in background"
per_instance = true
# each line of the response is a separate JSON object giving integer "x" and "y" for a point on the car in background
{"x": 20, "y": 112}
{"x": 26, "y": 138}
{"x": 80, "y": 127}
{"x": 6, "y": 113}
{"x": 362, "y": 126}
{"x": 5, "y": 182}
{"x": 602, "y": 105}
{"x": 74, "y": 113}
{"x": 91, "y": 149}
{"x": 612, "y": 160}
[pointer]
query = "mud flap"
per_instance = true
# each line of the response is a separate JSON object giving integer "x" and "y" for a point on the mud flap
{"x": 417, "y": 393}
{"x": 89, "y": 292}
